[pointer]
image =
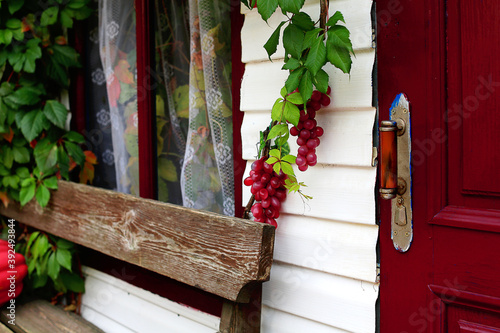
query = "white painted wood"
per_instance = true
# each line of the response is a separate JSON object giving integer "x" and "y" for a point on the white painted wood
{"x": 137, "y": 309}
{"x": 104, "y": 323}
{"x": 339, "y": 248}
{"x": 339, "y": 193}
{"x": 275, "y": 321}
{"x": 348, "y": 138}
{"x": 263, "y": 81}
{"x": 256, "y": 32}
{"x": 337, "y": 301}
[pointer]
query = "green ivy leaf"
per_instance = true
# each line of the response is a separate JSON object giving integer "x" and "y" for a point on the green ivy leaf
{"x": 27, "y": 192}
{"x": 321, "y": 81}
{"x": 316, "y": 57}
{"x": 76, "y": 4}
{"x": 305, "y": 86}
{"x": 73, "y": 282}
{"x": 277, "y": 130}
{"x": 83, "y": 13}
{"x": 67, "y": 18}
{"x": 294, "y": 78}
{"x": 293, "y": 38}
{"x": 292, "y": 64}
{"x": 63, "y": 162}
{"x": 74, "y": 137}
{"x": 13, "y": 23}
{"x": 21, "y": 154}
{"x": 277, "y": 167}
{"x": 32, "y": 124}
{"x": 272, "y": 43}
{"x": 266, "y": 8}
{"x": 271, "y": 160}
{"x": 62, "y": 243}
{"x": 335, "y": 18}
{"x": 275, "y": 153}
{"x": 75, "y": 152}
{"x": 56, "y": 113}
{"x": 53, "y": 267}
{"x": 310, "y": 37}
{"x": 292, "y": 113}
{"x": 63, "y": 257}
{"x": 167, "y": 170}
{"x": 40, "y": 247}
{"x": 24, "y": 96}
{"x": 22, "y": 172}
{"x": 303, "y": 21}
{"x": 15, "y": 5}
{"x": 65, "y": 55}
{"x": 289, "y": 158}
{"x": 295, "y": 98}
{"x": 277, "y": 110}
{"x": 287, "y": 169}
{"x": 291, "y": 6}
{"x": 11, "y": 181}
{"x": 338, "y": 48}
{"x": 7, "y": 36}
{"x": 340, "y": 36}
{"x": 42, "y": 195}
{"x": 49, "y": 16}
{"x": 8, "y": 157}
{"x": 51, "y": 183}
{"x": 45, "y": 155}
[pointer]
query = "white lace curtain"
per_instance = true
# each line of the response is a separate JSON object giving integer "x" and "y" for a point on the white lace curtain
{"x": 205, "y": 144}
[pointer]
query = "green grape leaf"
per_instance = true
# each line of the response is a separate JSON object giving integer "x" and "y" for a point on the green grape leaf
{"x": 27, "y": 192}
{"x": 316, "y": 57}
{"x": 335, "y": 18}
{"x": 53, "y": 267}
{"x": 24, "y": 96}
{"x": 287, "y": 168}
{"x": 63, "y": 257}
{"x": 275, "y": 153}
{"x": 67, "y": 18}
{"x": 22, "y": 172}
{"x": 45, "y": 154}
{"x": 56, "y": 113}
{"x": 293, "y": 38}
{"x": 291, "y": 6}
{"x": 305, "y": 86}
{"x": 42, "y": 195}
{"x": 303, "y": 21}
{"x": 63, "y": 162}
{"x": 51, "y": 183}
{"x": 65, "y": 55}
{"x": 74, "y": 137}
{"x": 73, "y": 282}
{"x": 75, "y": 152}
{"x": 277, "y": 130}
{"x": 62, "y": 243}
{"x": 337, "y": 49}
{"x": 21, "y": 154}
{"x": 33, "y": 123}
{"x": 294, "y": 78}
{"x": 13, "y": 23}
{"x": 295, "y": 98}
{"x": 310, "y": 37}
{"x": 321, "y": 81}
{"x": 277, "y": 110}
{"x": 292, "y": 64}
{"x": 49, "y": 16}
{"x": 271, "y": 160}
{"x": 292, "y": 113}
{"x": 272, "y": 43}
{"x": 15, "y": 5}
{"x": 289, "y": 158}
{"x": 340, "y": 37}
{"x": 266, "y": 8}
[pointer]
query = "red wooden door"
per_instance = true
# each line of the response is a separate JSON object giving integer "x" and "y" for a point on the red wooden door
{"x": 445, "y": 56}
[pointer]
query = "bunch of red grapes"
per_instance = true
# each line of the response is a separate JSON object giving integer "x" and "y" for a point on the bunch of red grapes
{"x": 269, "y": 190}
{"x": 307, "y": 130}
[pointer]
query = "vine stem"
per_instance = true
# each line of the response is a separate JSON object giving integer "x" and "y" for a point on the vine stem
{"x": 323, "y": 16}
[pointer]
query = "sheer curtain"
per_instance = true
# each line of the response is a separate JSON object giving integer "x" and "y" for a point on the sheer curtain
{"x": 194, "y": 115}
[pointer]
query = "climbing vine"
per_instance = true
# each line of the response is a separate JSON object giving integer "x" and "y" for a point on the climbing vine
{"x": 309, "y": 46}
{"x": 36, "y": 147}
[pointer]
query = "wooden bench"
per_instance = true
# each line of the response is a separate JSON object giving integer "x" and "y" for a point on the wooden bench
{"x": 225, "y": 256}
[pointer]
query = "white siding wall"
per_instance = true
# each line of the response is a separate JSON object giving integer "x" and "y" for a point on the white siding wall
{"x": 324, "y": 278}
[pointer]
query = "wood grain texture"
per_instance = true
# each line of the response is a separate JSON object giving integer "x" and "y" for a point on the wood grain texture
{"x": 262, "y": 82}
{"x": 4, "y": 329}
{"x": 242, "y": 317}
{"x": 349, "y": 131}
{"x": 42, "y": 317}
{"x": 218, "y": 254}
{"x": 255, "y": 32}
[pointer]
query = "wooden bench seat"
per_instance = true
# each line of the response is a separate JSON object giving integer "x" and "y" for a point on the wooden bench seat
{"x": 225, "y": 256}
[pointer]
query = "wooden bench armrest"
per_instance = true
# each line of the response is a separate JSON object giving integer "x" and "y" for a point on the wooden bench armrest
{"x": 219, "y": 254}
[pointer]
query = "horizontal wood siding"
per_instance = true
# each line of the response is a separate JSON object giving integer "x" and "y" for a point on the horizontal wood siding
{"x": 324, "y": 276}
{"x": 117, "y": 306}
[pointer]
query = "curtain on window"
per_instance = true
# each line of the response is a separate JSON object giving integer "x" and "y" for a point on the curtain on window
{"x": 194, "y": 117}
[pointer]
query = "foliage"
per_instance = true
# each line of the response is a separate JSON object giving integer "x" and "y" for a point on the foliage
{"x": 308, "y": 49}
{"x": 35, "y": 147}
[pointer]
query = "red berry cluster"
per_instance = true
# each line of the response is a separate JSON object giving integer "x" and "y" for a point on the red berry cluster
{"x": 307, "y": 130}
{"x": 269, "y": 191}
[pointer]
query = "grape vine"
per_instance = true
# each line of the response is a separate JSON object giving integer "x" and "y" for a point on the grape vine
{"x": 309, "y": 47}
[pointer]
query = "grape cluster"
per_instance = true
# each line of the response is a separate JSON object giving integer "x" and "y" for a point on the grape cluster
{"x": 268, "y": 187}
{"x": 308, "y": 132}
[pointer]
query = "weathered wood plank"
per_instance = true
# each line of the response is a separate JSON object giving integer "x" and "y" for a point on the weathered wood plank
{"x": 4, "y": 329}
{"x": 42, "y": 317}
{"x": 215, "y": 253}
{"x": 242, "y": 317}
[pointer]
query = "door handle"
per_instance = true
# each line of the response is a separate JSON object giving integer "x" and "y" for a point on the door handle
{"x": 395, "y": 171}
